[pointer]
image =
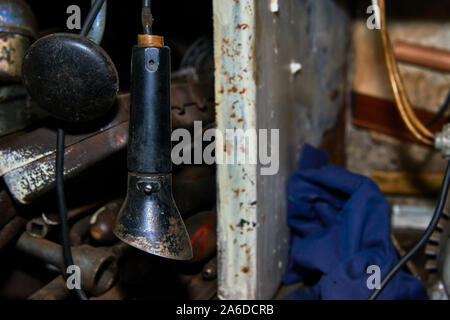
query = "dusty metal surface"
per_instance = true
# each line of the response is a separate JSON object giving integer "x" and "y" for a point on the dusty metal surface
{"x": 234, "y": 43}
{"x": 17, "y": 28}
{"x": 13, "y": 48}
{"x": 27, "y": 159}
{"x": 28, "y": 182}
{"x": 149, "y": 219}
{"x": 24, "y": 148}
{"x": 278, "y": 66}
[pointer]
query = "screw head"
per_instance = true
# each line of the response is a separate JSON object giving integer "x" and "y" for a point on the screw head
{"x": 148, "y": 188}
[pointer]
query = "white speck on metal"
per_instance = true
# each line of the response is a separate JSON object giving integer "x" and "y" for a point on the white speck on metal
{"x": 274, "y": 6}
{"x": 295, "y": 67}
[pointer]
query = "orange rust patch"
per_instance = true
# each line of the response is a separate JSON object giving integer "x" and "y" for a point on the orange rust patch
{"x": 245, "y": 269}
{"x": 243, "y": 91}
{"x": 240, "y": 120}
{"x": 242, "y": 26}
{"x": 233, "y": 89}
{"x": 236, "y": 192}
{"x": 233, "y": 115}
{"x": 231, "y": 227}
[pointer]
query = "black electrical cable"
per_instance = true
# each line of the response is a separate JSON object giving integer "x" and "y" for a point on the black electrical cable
{"x": 440, "y": 113}
{"x": 431, "y": 227}
{"x": 62, "y": 208}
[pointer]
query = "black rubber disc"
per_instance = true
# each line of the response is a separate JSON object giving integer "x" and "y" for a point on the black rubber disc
{"x": 71, "y": 77}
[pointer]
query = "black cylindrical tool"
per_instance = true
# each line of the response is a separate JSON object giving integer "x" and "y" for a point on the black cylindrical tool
{"x": 149, "y": 219}
{"x": 149, "y": 146}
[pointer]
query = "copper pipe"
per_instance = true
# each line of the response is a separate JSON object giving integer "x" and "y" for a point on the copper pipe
{"x": 398, "y": 89}
{"x": 430, "y": 57}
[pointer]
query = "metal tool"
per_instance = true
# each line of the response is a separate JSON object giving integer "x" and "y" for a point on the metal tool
{"x": 98, "y": 267}
{"x": 103, "y": 220}
{"x": 149, "y": 219}
{"x": 54, "y": 290}
{"x": 39, "y": 227}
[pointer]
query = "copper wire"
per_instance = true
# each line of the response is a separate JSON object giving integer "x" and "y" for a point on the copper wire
{"x": 403, "y": 105}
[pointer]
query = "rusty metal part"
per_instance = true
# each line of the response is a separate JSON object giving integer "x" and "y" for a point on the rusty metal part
{"x": 209, "y": 271}
{"x": 119, "y": 250}
{"x": 54, "y": 290}
{"x": 194, "y": 189}
{"x": 79, "y": 230}
{"x": 380, "y": 115}
{"x": 192, "y": 101}
{"x": 52, "y": 218}
{"x": 437, "y": 251}
{"x": 98, "y": 267}
{"x": 17, "y": 28}
{"x": 39, "y": 227}
{"x": 11, "y": 230}
{"x": 27, "y": 160}
{"x": 430, "y": 57}
{"x": 17, "y": 17}
{"x": 202, "y": 229}
{"x": 197, "y": 287}
{"x": 17, "y": 111}
{"x": 28, "y": 182}
{"x": 103, "y": 220}
{"x": 25, "y": 148}
{"x": 7, "y": 210}
{"x": 12, "y": 50}
{"x": 114, "y": 294}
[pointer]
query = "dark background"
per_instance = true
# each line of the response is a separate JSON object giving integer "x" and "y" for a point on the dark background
{"x": 180, "y": 22}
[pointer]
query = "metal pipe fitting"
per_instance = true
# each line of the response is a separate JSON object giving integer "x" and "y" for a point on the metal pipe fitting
{"x": 98, "y": 267}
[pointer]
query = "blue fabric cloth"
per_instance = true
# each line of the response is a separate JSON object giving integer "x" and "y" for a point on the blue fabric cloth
{"x": 340, "y": 225}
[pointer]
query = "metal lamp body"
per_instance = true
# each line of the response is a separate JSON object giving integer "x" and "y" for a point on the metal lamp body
{"x": 149, "y": 219}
